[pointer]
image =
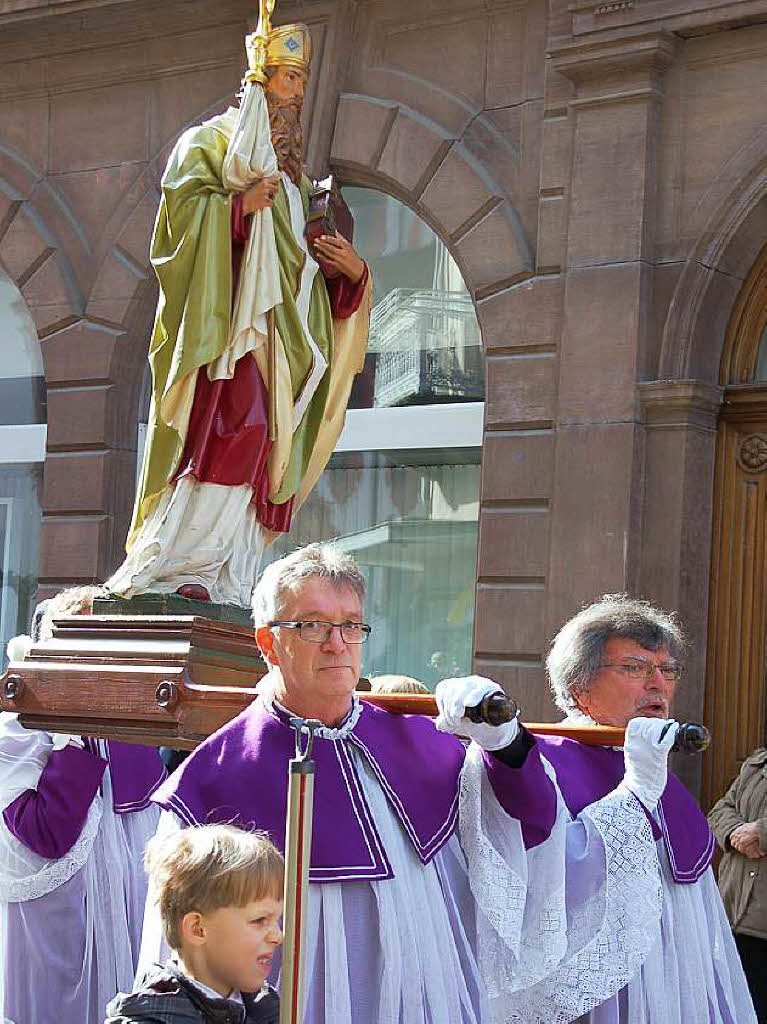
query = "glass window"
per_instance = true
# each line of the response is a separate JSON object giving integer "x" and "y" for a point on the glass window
{"x": 425, "y": 344}
{"x": 401, "y": 492}
{"x": 20, "y": 519}
{"x": 410, "y": 520}
{"x": 761, "y": 359}
{"x": 22, "y": 451}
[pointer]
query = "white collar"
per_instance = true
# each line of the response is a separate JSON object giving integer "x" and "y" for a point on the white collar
{"x": 325, "y": 732}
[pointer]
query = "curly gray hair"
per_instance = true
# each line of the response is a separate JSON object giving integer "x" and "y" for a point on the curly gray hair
{"x": 315, "y": 561}
{"x": 577, "y": 651}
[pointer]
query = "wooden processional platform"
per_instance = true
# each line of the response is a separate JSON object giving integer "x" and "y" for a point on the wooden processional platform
{"x": 167, "y": 680}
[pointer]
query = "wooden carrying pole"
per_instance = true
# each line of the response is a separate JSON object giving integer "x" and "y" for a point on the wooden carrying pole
{"x": 425, "y": 704}
{"x": 298, "y": 843}
{"x": 691, "y": 738}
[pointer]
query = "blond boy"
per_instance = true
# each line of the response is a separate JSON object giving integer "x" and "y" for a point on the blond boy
{"x": 219, "y": 890}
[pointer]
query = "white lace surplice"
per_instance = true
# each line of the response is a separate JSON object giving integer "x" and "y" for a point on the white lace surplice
{"x": 693, "y": 972}
{"x": 642, "y": 948}
{"x": 70, "y": 927}
{"x": 461, "y": 939}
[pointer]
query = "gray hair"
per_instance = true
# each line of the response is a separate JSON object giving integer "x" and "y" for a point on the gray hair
{"x": 324, "y": 561}
{"x": 578, "y": 649}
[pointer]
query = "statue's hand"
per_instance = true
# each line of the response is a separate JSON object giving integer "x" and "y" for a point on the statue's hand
{"x": 340, "y": 255}
{"x": 261, "y": 195}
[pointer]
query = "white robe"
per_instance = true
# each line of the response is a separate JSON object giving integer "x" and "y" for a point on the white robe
{"x": 457, "y": 941}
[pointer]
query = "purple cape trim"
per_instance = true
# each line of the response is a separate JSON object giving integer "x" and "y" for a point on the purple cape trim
{"x": 586, "y": 774}
{"x": 240, "y": 775}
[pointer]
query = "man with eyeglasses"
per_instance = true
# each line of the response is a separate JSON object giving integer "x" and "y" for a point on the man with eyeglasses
{"x": 618, "y": 662}
{"x": 428, "y": 902}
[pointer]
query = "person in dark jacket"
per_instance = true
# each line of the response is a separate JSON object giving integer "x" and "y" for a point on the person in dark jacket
{"x": 739, "y": 822}
{"x": 219, "y": 890}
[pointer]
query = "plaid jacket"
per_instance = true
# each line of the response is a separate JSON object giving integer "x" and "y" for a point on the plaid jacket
{"x": 169, "y": 997}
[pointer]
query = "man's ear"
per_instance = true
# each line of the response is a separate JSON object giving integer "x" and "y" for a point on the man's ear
{"x": 192, "y": 929}
{"x": 265, "y": 641}
{"x": 582, "y": 703}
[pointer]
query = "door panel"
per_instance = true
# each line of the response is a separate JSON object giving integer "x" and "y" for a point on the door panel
{"x": 734, "y": 707}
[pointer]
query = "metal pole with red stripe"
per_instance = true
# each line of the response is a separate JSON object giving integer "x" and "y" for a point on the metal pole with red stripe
{"x": 298, "y": 842}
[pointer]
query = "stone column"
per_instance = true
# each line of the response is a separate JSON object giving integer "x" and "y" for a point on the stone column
{"x": 680, "y": 441}
{"x": 597, "y": 497}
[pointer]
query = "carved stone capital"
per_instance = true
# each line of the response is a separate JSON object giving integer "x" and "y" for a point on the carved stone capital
{"x": 614, "y": 70}
{"x": 680, "y": 404}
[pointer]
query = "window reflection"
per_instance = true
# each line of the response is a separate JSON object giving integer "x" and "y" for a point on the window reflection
{"x": 411, "y": 524}
{"x": 409, "y": 517}
{"x": 20, "y": 518}
{"x": 22, "y": 404}
{"x": 425, "y": 344}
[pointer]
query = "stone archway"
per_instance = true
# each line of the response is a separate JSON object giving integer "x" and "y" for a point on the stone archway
{"x": 727, "y": 243}
{"x": 389, "y": 146}
{"x": 99, "y": 340}
{"x": 682, "y": 560}
{"x": 47, "y": 257}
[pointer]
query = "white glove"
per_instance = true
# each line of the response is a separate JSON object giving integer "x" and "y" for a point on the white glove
{"x": 63, "y": 739}
{"x": 646, "y": 757}
{"x": 18, "y": 647}
{"x": 455, "y": 695}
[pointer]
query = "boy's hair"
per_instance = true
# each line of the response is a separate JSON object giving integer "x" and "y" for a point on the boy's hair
{"x": 209, "y": 867}
{"x": 397, "y": 684}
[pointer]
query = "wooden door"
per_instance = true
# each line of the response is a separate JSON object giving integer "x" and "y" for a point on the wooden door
{"x": 735, "y": 665}
{"x": 735, "y": 696}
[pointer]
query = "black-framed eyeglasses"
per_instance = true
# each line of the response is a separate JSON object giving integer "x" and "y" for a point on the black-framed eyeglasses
{"x": 314, "y": 631}
{"x": 644, "y": 668}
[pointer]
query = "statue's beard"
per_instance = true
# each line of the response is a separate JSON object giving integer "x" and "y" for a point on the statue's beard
{"x": 287, "y": 136}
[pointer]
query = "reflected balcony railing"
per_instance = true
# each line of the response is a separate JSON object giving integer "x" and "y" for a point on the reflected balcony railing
{"x": 428, "y": 348}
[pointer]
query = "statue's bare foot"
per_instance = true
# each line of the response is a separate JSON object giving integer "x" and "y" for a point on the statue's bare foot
{"x": 195, "y": 591}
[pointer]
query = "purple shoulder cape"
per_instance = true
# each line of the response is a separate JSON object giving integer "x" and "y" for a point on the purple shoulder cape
{"x": 585, "y": 774}
{"x": 240, "y": 775}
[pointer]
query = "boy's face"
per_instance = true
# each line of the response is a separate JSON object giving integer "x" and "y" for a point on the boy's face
{"x": 239, "y": 943}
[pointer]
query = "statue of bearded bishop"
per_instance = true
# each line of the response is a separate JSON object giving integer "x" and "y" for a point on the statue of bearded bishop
{"x": 255, "y": 345}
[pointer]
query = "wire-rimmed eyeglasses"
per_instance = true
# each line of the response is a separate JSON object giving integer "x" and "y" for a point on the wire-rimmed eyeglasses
{"x": 315, "y": 631}
{"x": 645, "y": 668}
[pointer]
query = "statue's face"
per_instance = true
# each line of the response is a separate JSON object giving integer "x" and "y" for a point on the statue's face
{"x": 284, "y": 98}
{"x": 287, "y": 85}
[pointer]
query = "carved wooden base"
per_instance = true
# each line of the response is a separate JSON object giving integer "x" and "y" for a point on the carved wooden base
{"x": 161, "y": 680}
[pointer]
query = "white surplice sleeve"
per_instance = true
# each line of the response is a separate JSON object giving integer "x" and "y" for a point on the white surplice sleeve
{"x": 24, "y": 875}
{"x": 563, "y": 925}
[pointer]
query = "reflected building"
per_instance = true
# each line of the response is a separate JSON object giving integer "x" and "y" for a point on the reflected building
{"x": 22, "y": 453}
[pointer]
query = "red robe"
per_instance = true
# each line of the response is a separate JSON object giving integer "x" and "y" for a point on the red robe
{"x": 228, "y": 437}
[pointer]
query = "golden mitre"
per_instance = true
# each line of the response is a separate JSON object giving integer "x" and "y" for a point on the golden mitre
{"x": 289, "y": 45}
